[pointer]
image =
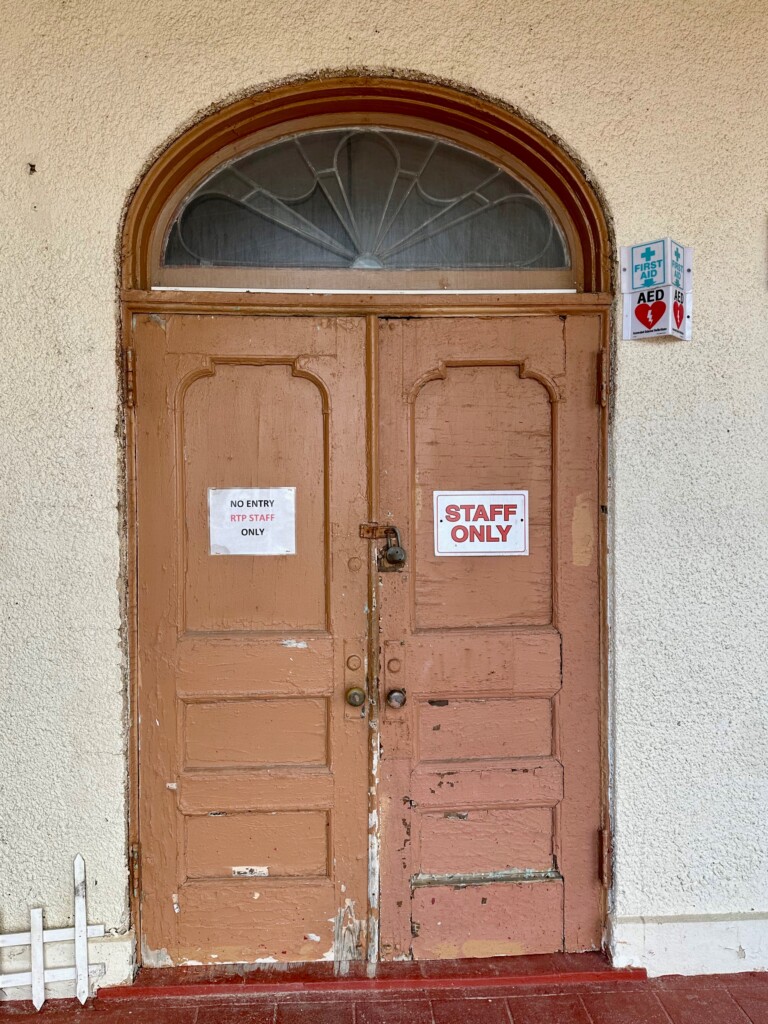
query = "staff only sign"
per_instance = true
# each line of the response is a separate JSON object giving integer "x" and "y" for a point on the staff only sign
{"x": 481, "y": 522}
{"x": 252, "y": 520}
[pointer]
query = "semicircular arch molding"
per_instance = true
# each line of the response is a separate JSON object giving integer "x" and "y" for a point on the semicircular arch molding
{"x": 477, "y": 125}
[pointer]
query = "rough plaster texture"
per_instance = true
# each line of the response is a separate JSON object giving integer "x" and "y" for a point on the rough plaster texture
{"x": 667, "y": 111}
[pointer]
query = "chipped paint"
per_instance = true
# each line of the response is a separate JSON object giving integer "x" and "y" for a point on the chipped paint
{"x": 298, "y": 644}
{"x": 486, "y": 877}
{"x": 249, "y": 871}
{"x": 346, "y": 938}
{"x": 154, "y": 957}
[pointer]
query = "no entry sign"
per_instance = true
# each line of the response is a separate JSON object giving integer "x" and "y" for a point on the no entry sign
{"x": 252, "y": 520}
{"x": 481, "y": 522}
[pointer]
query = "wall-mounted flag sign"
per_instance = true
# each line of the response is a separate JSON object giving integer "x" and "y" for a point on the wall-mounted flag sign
{"x": 656, "y": 264}
{"x": 658, "y": 313}
{"x": 657, "y": 282}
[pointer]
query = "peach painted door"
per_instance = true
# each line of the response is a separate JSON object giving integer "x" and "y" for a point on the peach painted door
{"x": 252, "y": 768}
{"x": 490, "y": 771}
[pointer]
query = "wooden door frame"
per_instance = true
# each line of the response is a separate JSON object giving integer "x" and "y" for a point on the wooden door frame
{"x": 458, "y": 114}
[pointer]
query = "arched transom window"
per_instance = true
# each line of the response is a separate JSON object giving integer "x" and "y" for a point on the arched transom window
{"x": 364, "y": 206}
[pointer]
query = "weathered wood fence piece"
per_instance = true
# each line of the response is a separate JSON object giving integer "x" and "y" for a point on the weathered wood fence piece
{"x": 37, "y": 937}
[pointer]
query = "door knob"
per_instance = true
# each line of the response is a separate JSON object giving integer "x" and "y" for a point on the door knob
{"x": 355, "y": 696}
{"x": 396, "y": 698}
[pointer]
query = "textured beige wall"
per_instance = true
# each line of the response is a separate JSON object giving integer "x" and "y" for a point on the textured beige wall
{"x": 666, "y": 106}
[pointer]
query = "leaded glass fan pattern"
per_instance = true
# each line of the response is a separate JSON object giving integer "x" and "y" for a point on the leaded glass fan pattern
{"x": 364, "y": 198}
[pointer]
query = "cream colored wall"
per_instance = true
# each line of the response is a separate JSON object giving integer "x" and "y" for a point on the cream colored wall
{"x": 665, "y": 105}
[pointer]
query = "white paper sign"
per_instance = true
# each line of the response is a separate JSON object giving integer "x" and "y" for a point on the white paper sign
{"x": 252, "y": 520}
{"x": 481, "y": 522}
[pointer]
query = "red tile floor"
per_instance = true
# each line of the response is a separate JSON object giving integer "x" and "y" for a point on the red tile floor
{"x": 539, "y": 990}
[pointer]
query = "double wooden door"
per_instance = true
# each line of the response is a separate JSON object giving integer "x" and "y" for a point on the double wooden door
{"x": 456, "y": 811}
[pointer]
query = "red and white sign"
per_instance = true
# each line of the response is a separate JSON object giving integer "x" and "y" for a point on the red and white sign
{"x": 252, "y": 520}
{"x": 481, "y": 522}
{"x": 658, "y": 313}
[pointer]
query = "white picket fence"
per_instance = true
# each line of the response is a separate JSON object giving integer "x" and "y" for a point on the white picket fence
{"x": 38, "y": 937}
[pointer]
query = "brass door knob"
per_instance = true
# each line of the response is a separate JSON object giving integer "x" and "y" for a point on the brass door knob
{"x": 396, "y": 698}
{"x": 355, "y": 696}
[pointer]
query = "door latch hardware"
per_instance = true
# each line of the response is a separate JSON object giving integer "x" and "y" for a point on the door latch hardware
{"x": 374, "y": 531}
{"x": 396, "y": 698}
{"x": 355, "y": 696}
{"x": 393, "y": 556}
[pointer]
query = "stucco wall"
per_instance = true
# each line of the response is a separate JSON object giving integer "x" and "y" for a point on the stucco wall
{"x": 666, "y": 107}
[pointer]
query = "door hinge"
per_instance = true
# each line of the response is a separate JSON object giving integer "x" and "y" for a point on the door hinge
{"x": 605, "y": 857}
{"x": 603, "y": 381}
{"x": 129, "y": 378}
{"x": 134, "y": 869}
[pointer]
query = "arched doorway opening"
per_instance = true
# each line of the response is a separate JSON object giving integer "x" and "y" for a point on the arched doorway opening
{"x": 366, "y": 323}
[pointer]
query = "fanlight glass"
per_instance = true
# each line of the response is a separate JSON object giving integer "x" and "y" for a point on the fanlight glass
{"x": 364, "y": 198}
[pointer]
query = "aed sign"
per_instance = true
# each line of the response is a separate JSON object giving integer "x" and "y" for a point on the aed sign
{"x": 252, "y": 520}
{"x": 481, "y": 522}
{"x": 657, "y": 313}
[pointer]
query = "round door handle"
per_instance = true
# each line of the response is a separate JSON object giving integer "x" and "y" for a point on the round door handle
{"x": 355, "y": 696}
{"x": 396, "y": 698}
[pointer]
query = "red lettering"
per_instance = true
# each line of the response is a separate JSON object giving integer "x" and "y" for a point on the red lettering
{"x": 509, "y": 511}
{"x": 459, "y": 534}
{"x": 477, "y": 533}
{"x": 480, "y": 513}
{"x": 452, "y": 513}
{"x": 504, "y": 532}
{"x": 496, "y": 511}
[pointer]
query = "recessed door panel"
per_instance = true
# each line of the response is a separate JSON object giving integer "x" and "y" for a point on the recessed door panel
{"x": 253, "y": 426}
{"x": 480, "y": 428}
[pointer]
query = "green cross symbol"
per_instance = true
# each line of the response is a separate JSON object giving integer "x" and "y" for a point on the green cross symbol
{"x": 649, "y": 252}
{"x": 677, "y": 254}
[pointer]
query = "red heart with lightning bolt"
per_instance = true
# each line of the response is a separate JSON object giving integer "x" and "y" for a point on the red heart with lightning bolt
{"x": 679, "y": 312}
{"x": 649, "y": 315}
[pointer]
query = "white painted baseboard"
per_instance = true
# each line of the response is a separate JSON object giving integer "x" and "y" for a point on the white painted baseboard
{"x": 698, "y": 944}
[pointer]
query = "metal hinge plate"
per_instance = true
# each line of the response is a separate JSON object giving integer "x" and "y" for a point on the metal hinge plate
{"x": 134, "y": 869}
{"x": 602, "y": 378}
{"x": 605, "y": 863}
{"x": 129, "y": 378}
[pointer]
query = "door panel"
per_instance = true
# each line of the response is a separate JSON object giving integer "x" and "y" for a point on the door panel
{"x": 479, "y": 428}
{"x": 490, "y": 779}
{"x": 253, "y": 775}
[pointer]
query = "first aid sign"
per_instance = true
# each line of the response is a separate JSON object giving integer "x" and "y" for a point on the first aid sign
{"x": 481, "y": 522}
